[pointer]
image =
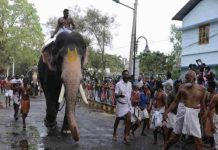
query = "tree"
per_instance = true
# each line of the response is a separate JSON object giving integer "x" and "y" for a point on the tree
{"x": 176, "y": 40}
{"x": 98, "y": 28}
{"x": 114, "y": 63}
{"x": 21, "y": 35}
{"x": 95, "y": 64}
{"x": 154, "y": 63}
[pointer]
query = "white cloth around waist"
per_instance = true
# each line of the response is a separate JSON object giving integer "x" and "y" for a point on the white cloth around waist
{"x": 179, "y": 119}
{"x": 63, "y": 29}
{"x": 136, "y": 114}
{"x": 9, "y": 93}
{"x": 16, "y": 99}
{"x": 171, "y": 120}
{"x": 191, "y": 125}
{"x": 144, "y": 114}
{"x": 122, "y": 109}
{"x": 157, "y": 118}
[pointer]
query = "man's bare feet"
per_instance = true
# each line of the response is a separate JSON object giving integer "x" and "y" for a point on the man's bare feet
{"x": 114, "y": 138}
{"x": 133, "y": 133}
{"x": 126, "y": 141}
{"x": 143, "y": 134}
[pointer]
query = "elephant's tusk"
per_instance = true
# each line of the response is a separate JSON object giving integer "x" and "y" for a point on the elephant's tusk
{"x": 61, "y": 96}
{"x": 83, "y": 94}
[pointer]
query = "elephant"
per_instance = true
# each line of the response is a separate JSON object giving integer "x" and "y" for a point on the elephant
{"x": 34, "y": 83}
{"x": 32, "y": 78}
{"x": 61, "y": 65}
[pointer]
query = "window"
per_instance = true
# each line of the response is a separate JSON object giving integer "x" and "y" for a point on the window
{"x": 204, "y": 34}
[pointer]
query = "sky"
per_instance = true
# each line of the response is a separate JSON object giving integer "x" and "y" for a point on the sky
{"x": 154, "y": 18}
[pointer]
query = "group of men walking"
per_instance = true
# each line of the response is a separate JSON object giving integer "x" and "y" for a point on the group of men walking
{"x": 172, "y": 108}
{"x": 17, "y": 91}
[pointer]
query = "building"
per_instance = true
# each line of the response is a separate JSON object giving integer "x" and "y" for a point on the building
{"x": 199, "y": 33}
{"x": 125, "y": 63}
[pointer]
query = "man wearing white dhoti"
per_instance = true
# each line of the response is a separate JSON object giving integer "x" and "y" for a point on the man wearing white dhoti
{"x": 191, "y": 97}
{"x": 171, "y": 120}
{"x": 159, "y": 104}
{"x": 168, "y": 84}
{"x": 123, "y": 91}
{"x": 144, "y": 105}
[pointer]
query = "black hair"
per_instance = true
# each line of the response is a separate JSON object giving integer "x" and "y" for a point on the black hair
{"x": 177, "y": 82}
{"x": 25, "y": 80}
{"x": 159, "y": 84}
{"x": 212, "y": 84}
{"x": 66, "y": 10}
{"x": 207, "y": 67}
{"x": 169, "y": 75}
{"x": 125, "y": 71}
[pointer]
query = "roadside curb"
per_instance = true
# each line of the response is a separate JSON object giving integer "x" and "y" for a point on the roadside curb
{"x": 102, "y": 106}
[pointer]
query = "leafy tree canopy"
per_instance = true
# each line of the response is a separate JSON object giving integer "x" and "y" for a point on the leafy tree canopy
{"x": 21, "y": 35}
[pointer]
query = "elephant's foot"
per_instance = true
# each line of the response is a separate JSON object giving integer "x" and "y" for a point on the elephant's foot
{"x": 65, "y": 132}
{"x": 51, "y": 126}
{"x": 65, "y": 129}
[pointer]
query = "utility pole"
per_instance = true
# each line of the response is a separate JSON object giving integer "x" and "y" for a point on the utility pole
{"x": 13, "y": 67}
{"x": 133, "y": 38}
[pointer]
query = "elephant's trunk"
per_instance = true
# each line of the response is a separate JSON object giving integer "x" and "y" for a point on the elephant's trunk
{"x": 71, "y": 76}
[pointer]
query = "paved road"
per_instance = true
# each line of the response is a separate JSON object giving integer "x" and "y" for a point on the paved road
{"x": 95, "y": 131}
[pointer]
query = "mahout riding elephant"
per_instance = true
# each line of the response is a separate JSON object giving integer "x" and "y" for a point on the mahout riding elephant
{"x": 60, "y": 64}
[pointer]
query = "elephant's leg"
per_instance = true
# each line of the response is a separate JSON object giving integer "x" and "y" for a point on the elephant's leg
{"x": 52, "y": 109}
{"x": 65, "y": 126}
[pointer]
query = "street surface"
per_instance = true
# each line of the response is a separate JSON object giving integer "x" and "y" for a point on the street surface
{"x": 96, "y": 128}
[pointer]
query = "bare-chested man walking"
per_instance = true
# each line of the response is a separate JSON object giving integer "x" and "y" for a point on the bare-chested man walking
{"x": 25, "y": 92}
{"x": 65, "y": 23}
{"x": 190, "y": 98}
{"x": 159, "y": 105}
{"x": 214, "y": 120}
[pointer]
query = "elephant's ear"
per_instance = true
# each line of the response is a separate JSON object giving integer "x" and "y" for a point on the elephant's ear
{"x": 47, "y": 57}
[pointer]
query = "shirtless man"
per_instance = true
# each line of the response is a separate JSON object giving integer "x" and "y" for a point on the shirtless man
{"x": 143, "y": 104}
{"x": 159, "y": 105}
{"x": 171, "y": 115}
{"x": 136, "y": 113}
{"x": 25, "y": 92}
{"x": 8, "y": 92}
{"x": 15, "y": 85}
{"x": 191, "y": 100}
{"x": 207, "y": 119}
{"x": 65, "y": 23}
{"x": 214, "y": 120}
